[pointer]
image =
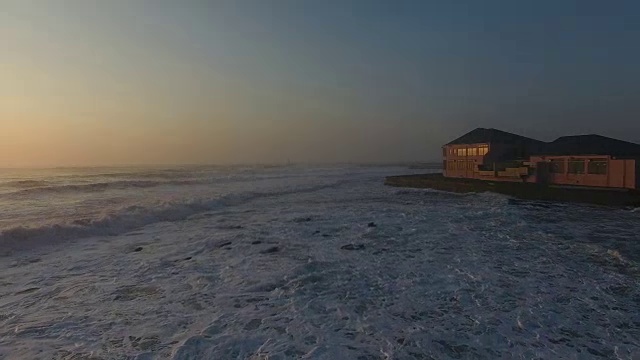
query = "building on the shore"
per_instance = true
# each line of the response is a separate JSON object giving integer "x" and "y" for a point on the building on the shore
{"x": 583, "y": 160}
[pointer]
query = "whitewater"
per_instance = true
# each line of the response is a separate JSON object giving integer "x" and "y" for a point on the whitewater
{"x": 306, "y": 262}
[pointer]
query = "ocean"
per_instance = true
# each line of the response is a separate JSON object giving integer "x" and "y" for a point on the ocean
{"x": 306, "y": 262}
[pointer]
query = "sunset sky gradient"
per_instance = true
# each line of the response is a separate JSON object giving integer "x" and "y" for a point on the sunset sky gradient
{"x": 85, "y": 83}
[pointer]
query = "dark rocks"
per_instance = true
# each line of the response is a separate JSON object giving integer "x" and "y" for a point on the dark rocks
{"x": 271, "y": 250}
{"x": 371, "y": 224}
{"x": 27, "y": 291}
{"x": 223, "y": 244}
{"x": 193, "y": 304}
{"x": 144, "y": 344}
{"x": 138, "y": 249}
{"x": 310, "y": 340}
{"x": 253, "y": 324}
{"x": 256, "y": 242}
{"x": 187, "y": 258}
{"x": 353, "y": 247}
{"x": 230, "y": 227}
{"x": 378, "y": 252}
{"x": 256, "y": 299}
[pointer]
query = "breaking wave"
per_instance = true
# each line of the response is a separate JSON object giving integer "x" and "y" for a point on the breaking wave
{"x": 25, "y": 184}
{"x": 35, "y": 188}
{"x": 130, "y": 218}
{"x": 102, "y": 186}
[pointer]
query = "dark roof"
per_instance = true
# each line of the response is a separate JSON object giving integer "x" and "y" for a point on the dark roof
{"x": 590, "y": 145}
{"x": 566, "y": 145}
{"x": 482, "y": 135}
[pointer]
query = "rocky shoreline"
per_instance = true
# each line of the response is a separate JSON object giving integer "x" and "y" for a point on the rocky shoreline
{"x": 527, "y": 191}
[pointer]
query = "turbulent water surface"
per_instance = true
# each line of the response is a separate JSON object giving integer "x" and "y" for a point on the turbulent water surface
{"x": 302, "y": 262}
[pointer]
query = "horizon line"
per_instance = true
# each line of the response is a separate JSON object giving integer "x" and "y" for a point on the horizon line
{"x": 279, "y": 164}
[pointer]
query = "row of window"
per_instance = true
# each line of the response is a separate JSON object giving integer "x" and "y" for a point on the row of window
{"x": 593, "y": 166}
{"x": 469, "y": 151}
{"x": 460, "y": 165}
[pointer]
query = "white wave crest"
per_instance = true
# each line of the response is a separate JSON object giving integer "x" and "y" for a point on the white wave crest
{"x": 127, "y": 219}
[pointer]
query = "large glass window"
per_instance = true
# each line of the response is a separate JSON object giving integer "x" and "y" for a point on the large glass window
{"x": 575, "y": 166}
{"x": 557, "y": 166}
{"x": 483, "y": 150}
{"x": 597, "y": 166}
{"x": 470, "y": 165}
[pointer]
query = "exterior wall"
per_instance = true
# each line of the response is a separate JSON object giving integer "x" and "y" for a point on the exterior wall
{"x": 623, "y": 174}
{"x": 619, "y": 173}
{"x": 637, "y": 164}
{"x": 469, "y": 169}
{"x": 616, "y": 169}
{"x": 632, "y": 169}
{"x": 565, "y": 177}
{"x": 614, "y": 173}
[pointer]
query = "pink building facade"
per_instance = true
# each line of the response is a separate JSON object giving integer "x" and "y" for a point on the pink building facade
{"x": 509, "y": 157}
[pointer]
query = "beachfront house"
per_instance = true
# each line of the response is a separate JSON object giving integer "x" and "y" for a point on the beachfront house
{"x": 583, "y": 160}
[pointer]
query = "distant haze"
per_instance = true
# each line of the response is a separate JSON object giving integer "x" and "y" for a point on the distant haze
{"x": 173, "y": 82}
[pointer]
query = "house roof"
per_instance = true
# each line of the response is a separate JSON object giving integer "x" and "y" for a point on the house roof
{"x": 566, "y": 145}
{"x": 590, "y": 145}
{"x": 482, "y": 135}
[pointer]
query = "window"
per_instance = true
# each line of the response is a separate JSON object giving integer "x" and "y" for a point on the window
{"x": 575, "y": 166}
{"x": 483, "y": 150}
{"x": 462, "y": 152}
{"x": 470, "y": 165}
{"x": 472, "y": 151}
{"x": 597, "y": 166}
{"x": 557, "y": 166}
{"x": 460, "y": 165}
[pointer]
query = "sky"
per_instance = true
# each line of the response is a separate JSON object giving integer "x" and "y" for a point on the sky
{"x": 132, "y": 82}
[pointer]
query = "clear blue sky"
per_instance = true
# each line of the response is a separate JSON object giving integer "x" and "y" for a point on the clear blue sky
{"x": 117, "y": 82}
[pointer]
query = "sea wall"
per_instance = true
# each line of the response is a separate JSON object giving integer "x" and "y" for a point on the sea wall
{"x": 528, "y": 191}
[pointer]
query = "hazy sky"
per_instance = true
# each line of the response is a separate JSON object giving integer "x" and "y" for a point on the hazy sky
{"x": 87, "y": 82}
